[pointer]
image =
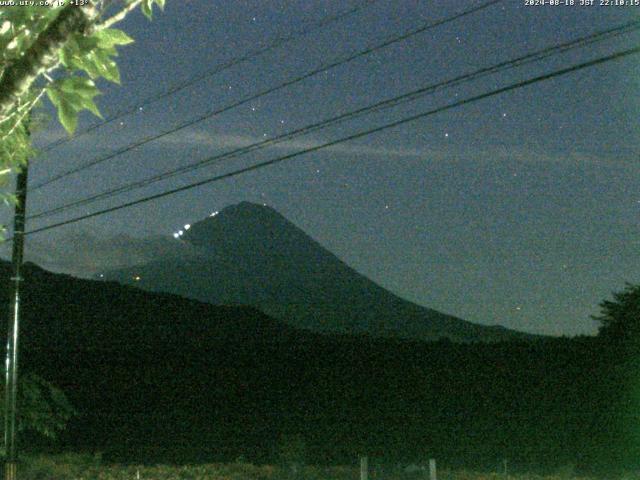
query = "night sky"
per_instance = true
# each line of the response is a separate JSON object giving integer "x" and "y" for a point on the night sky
{"x": 520, "y": 210}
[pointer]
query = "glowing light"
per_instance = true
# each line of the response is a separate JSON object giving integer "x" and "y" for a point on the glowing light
{"x": 180, "y": 232}
{"x": 187, "y": 226}
{"x": 213, "y": 214}
{"x": 136, "y": 278}
{"x": 176, "y": 235}
{"x": 101, "y": 275}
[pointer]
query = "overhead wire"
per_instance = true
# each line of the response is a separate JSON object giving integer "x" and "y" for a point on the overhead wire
{"x": 520, "y": 84}
{"x": 276, "y": 43}
{"x": 288, "y": 83}
{"x": 388, "y": 103}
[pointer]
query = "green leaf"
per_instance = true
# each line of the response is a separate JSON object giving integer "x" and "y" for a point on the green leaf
{"x": 89, "y": 104}
{"x": 86, "y": 44}
{"x": 84, "y": 87}
{"x": 98, "y": 64}
{"x": 110, "y": 37}
{"x": 113, "y": 73}
{"x": 65, "y": 57}
{"x": 54, "y": 96}
{"x": 146, "y": 8}
{"x": 67, "y": 110}
{"x": 68, "y": 116}
{"x": 86, "y": 63}
{"x": 79, "y": 92}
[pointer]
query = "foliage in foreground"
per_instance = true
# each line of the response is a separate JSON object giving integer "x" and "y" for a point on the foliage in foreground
{"x": 60, "y": 50}
{"x": 88, "y": 467}
{"x": 43, "y": 408}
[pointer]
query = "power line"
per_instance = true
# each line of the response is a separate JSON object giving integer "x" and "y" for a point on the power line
{"x": 410, "y": 96}
{"x": 281, "y": 86}
{"x": 276, "y": 43}
{"x": 513, "y": 86}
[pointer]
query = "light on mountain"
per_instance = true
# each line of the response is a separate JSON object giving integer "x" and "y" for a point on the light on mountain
{"x": 180, "y": 232}
{"x": 187, "y": 226}
{"x": 136, "y": 278}
{"x": 176, "y": 235}
{"x": 213, "y": 214}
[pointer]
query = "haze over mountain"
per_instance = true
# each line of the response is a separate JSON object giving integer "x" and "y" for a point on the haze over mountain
{"x": 249, "y": 254}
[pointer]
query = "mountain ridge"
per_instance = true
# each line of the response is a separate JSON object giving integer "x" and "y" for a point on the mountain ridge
{"x": 250, "y": 254}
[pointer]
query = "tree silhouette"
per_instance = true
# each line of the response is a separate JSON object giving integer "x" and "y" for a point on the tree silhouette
{"x": 620, "y": 318}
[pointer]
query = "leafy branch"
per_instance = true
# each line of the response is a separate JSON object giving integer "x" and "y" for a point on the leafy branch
{"x": 36, "y": 41}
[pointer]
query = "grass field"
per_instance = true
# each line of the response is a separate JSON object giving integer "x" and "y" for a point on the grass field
{"x": 85, "y": 467}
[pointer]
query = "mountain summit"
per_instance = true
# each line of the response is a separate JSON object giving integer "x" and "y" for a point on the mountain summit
{"x": 249, "y": 254}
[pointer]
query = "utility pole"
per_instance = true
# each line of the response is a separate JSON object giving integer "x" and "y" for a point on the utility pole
{"x": 11, "y": 365}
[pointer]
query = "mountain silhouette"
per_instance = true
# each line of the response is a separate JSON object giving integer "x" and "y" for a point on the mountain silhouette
{"x": 249, "y": 254}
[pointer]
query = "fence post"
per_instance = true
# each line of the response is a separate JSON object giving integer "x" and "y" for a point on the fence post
{"x": 364, "y": 468}
{"x": 432, "y": 469}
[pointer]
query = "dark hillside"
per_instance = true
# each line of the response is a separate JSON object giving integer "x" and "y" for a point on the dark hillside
{"x": 161, "y": 378}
